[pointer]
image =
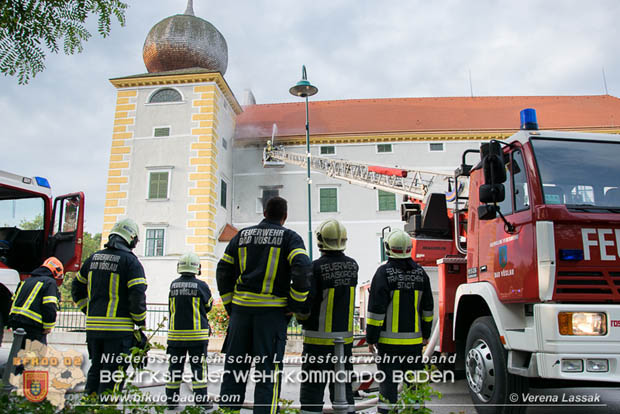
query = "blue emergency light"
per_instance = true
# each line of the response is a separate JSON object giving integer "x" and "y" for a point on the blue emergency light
{"x": 42, "y": 182}
{"x": 571, "y": 254}
{"x": 528, "y": 119}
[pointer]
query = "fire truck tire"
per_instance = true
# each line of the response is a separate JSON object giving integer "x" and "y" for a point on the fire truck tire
{"x": 492, "y": 388}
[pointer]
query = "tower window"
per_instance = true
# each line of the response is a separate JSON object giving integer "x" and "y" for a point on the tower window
{"x": 223, "y": 191}
{"x": 328, "y": 200}
{"x": 387, "y": 201}
{"x": 158, "y": 185}
{"x": 435, "y": 146}
{"x": 161, "y": 132}
{"x": 328, "y": 150}
{"x": 166, "y": 95}
{"x": 154, "y": 242}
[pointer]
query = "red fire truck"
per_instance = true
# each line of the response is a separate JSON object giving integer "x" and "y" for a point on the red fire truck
{"x": 529, "y": 261}
{"x": 33, "y": 226}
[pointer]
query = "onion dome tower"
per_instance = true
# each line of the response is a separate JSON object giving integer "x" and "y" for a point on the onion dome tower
{"x": 185, "y": 41}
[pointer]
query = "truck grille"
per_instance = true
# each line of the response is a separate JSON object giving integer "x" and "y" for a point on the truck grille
{"x": 587, "y": 286}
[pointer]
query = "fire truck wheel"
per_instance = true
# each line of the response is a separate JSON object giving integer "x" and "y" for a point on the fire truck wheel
{"x": 491, "y": 386}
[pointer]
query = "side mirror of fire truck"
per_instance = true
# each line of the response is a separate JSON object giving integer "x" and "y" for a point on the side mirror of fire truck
{"x": 492, "y": 191}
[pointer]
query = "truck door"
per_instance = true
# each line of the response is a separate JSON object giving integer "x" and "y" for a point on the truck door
{"x": 65, "y": 238}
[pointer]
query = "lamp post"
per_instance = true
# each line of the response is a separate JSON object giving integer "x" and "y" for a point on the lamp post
{"x": 303, "y": 89}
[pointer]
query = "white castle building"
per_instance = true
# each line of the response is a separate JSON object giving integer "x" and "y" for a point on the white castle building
{"x": 185, "y": 160}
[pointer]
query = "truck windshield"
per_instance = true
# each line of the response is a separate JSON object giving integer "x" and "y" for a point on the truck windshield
{"x": 583, "y": 175}
{"x": 22, "y": 213}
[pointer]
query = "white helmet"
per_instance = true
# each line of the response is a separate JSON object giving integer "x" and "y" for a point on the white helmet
{"x": 398, "y": 244}
{"x": 189, "y": 263}
{"x": 331, "y": 236}
{"x": 128, "y": 230}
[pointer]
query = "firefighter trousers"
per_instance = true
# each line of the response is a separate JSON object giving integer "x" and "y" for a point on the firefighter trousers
{"x": 318, "y": 371}
{"x": 254, "y": 336}
{"x": 394, "y": 362}
{"x": 197, "y": 357}
{"x": 105, "y": 359}
{"x": 32, "y": 334}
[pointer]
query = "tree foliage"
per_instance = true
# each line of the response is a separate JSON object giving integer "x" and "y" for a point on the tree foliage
{"x": 90, "y": 244}
{"x": 29, "y": 28}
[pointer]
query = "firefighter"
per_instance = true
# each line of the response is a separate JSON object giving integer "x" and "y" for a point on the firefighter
{"x": 400, "y": 315}
{"x": 331, "y": 304}
{"x": 189, "y": 302}
{"x": 36, "y": 301}
{"x": 110, "y": 289}
{"x": 254, "y": 280}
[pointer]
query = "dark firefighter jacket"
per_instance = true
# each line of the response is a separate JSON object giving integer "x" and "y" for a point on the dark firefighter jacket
{"x": 189, "y": 301}
{"x": 35, "y": 302}
{"x": 258, "y": 266}
{"x": 331, "y": 300}
{"x": 110, "y": 289}
{"x": 400, "y": 307}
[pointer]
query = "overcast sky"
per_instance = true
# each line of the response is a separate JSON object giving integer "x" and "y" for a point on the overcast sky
{"x": 60, "y": 125}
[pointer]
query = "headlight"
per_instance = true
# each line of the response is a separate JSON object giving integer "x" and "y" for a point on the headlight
{"x": 582, "y": 323}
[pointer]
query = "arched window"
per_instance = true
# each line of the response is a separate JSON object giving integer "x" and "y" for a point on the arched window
{"x": 166, "y": 95}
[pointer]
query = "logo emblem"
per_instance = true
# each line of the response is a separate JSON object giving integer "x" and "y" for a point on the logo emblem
{"x": 35, "y": 385}
{"x": 503, "y": 256}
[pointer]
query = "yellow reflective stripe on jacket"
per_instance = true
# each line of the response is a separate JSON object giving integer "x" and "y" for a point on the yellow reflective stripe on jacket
{"x": 330, "y": 309}
{"x": 102, "y": 323}
{"x": 188, "y": 335}
{"x": 138, "y": 317}
{"x": 324, "y": 341}
{"x": 90, "y": 282}
{"x": 395, "y": 310}
{"x": 113, "y": 295}
{"x": 19, "y": 289}
{"x": 299, "y": 296}
{"x": 243, "y": 257}
{"x": 374, "y": 322}
{"x": 33, "y": 294}
{"x": 257, "y": 299}
{"x": 227, "y": 298}
{"x": 81, "y": 278}
{"x": 270, "y": 271}
{"x": 196, "y": 313}
{"x": 49, "y": 325}
{"x": 416, "y": 316}
{"x": 50, "y": 299}
{"x": 81, "y": 304}
{"x": 136, "y": 281}
{"x": 27, "y": 313}
{"x": 400, "y": 341}
{"x": 173, "y": 310}
{"x": 427, "y": 316}
{"x": 294, "y": 253}
{"x": 351, "y": 308}
{"x": 228, "y": 259}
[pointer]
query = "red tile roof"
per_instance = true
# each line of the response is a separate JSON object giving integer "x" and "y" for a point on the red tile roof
{"x": 418, "y": 115}
{"x": 227, "y": 233}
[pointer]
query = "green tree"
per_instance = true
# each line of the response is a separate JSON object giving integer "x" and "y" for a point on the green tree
{"x": 35, "y": 224}
{"x": 29, "y": 28}
{"x": 90, "y": 244}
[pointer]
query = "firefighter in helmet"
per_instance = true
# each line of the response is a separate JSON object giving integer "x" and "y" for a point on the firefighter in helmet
{"x": 330, "y": 308}
{"x": 400, "y": 315}
{"x": 110, "y": 289}
{"x": 36, "y": 301}
{"x": 189, "y": 301}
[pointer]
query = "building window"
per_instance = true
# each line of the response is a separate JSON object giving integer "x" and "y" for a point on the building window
{"x": 154, "y": 242}
{"x": 382, "y": 148}
{"x": 435, "y": 146}
{"x": 166, "y": 95}
{"x": 328, "y": 150}
{"x": 161, "y": 132}
{"x": 328, "y": 198}
{"x": 224, "y": 143}
{"x": 223, "y": 193}
{"x": 387, "y": 201}
{"x": 265, "y": 194}
{"x": 158, "y": 185}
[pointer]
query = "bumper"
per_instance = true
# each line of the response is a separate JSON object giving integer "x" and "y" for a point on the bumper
{"x": 551, "y": 348}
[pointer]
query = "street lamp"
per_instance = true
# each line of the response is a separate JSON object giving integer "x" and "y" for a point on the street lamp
{"x": 303, "y": 89}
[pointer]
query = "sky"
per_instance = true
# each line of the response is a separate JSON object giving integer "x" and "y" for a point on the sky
{"x": 59, "y": 126}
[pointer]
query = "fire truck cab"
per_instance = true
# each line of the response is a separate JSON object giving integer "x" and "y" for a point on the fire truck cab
{"x": 34, "y": 226}
{"x": 537, "y": 294}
